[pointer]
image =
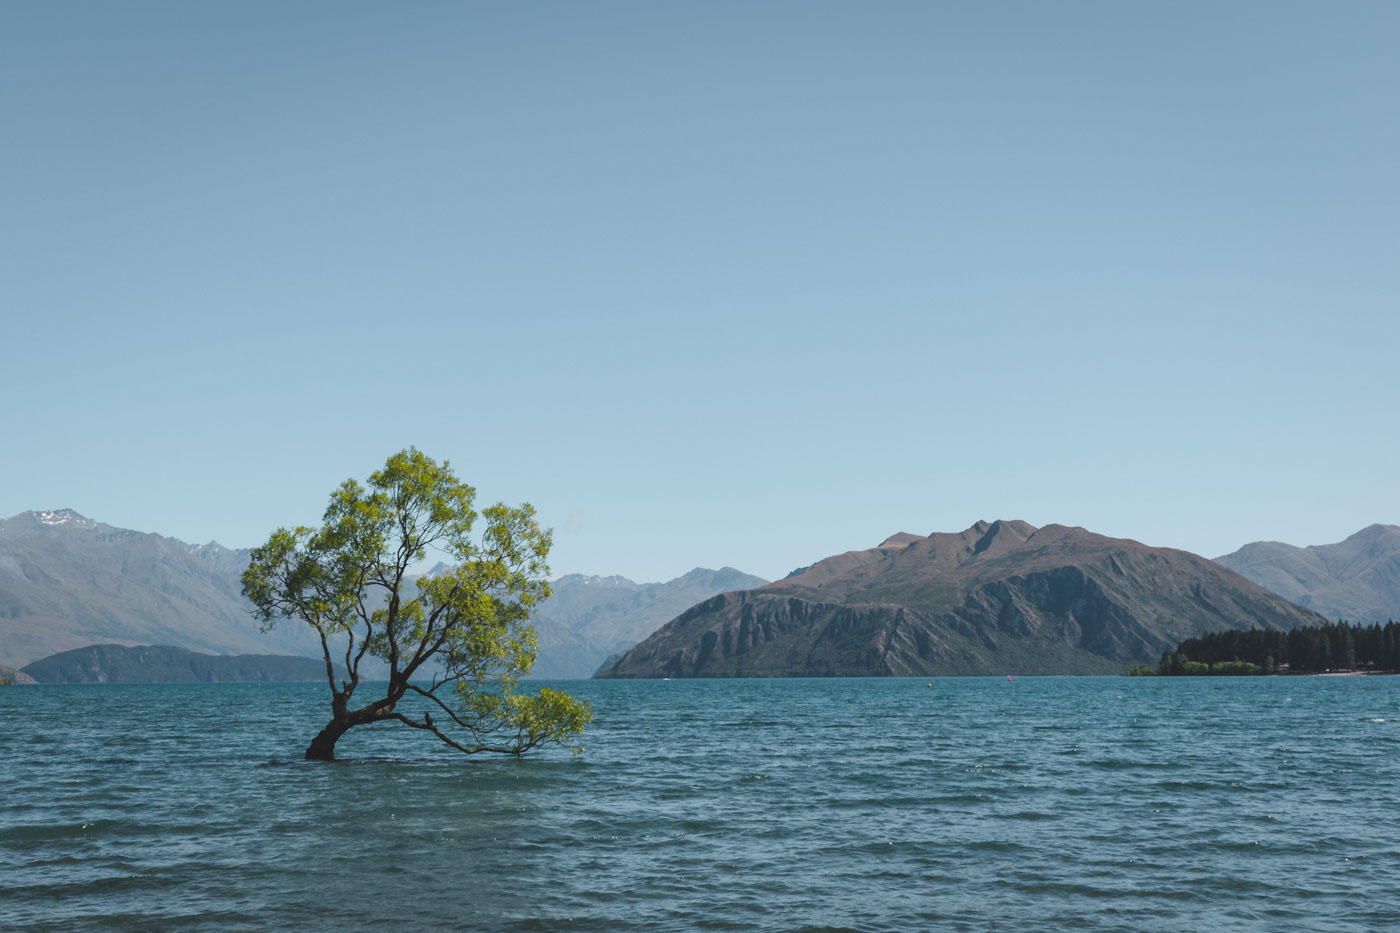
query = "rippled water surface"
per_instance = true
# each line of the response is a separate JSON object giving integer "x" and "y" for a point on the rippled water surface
{"x": 971, "y": 804}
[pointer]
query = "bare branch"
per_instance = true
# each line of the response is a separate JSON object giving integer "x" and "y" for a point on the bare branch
{"x": 326, "y": 653}
{"x": 445, "y": 708}
{"x": 518, "y": 749}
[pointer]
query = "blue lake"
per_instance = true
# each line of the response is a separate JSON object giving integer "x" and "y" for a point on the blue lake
{"x": 972, "y": 804}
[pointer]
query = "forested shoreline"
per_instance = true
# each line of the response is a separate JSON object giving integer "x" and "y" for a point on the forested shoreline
{"x": 1336, "y": 646}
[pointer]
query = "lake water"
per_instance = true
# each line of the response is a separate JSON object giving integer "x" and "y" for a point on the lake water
{"x": 972, "y": 804}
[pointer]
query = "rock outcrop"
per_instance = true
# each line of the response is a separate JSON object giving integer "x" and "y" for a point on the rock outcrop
{"x": 10, "y": 676}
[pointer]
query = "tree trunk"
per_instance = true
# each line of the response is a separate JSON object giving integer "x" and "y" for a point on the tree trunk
{"x": 322, "y": 748}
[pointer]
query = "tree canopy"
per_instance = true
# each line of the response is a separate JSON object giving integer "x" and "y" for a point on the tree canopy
{"x": 458, "y": 639}
{"x": 1341, "y": 646}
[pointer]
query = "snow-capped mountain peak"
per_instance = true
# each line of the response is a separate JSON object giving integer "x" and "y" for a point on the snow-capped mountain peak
{"x": 63, "y": 517}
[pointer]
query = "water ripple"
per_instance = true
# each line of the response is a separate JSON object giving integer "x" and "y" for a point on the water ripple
{"x": 1068, "y": 803}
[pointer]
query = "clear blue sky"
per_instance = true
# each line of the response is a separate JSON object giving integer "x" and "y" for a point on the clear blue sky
{"x": 708, "y": 283}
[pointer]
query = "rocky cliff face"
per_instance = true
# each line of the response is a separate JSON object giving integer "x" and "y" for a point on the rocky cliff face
{"x": 1357, "y": 579}
{"x": 1000, "y": 597}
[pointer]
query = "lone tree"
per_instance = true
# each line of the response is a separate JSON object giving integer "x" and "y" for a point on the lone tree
{"x": 460, "y": 639}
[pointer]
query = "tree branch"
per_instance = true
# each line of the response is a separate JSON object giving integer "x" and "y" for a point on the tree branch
{"x": 326, "y": 653}
{"x": 445, "y": 708}
{"x": 518, "y": 750}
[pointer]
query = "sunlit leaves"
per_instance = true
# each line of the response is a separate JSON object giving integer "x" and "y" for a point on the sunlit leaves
{"x": 551, "y": 715}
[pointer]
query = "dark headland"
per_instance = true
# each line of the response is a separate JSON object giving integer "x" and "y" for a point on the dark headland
{"x": 163, "y": 664}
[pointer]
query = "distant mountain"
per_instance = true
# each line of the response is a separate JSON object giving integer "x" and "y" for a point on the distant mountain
{"x": 1357, "y": 579}
{"x": 162, "y": 664}
{"x": 999, "y": 598}
{"x": 67, "y": 581}
{"x": 589, "y": 618}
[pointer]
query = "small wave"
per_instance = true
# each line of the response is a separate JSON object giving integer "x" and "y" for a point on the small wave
{"x": 993, "y": 845}
{"x": 1029, "y": 816}
{"x": 961, "y": 798}
{"x": 754, "y": 724}
{"x": 1128, "y": 764}
{"x": 1070, "y": 889}
{"x": 45, "y": 832}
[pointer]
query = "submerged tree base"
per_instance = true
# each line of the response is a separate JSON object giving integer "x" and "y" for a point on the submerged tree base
{"x": 322, "y": 748}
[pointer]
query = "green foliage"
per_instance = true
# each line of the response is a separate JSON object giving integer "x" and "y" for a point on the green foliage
{"x": 1235, "y": 668}
{"x": 1140, "y": 670}
{"x": 459, "y": 639}
{"x": 1332, "y": 646}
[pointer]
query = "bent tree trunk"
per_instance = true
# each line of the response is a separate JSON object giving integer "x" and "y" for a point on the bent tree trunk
{"x": 322, "y": 748}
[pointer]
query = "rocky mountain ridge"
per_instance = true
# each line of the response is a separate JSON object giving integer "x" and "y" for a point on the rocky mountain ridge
{"x": 999, "y": 597}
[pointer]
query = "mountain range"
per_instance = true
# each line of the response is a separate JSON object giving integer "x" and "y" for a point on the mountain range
{"x": 1357, "y": 579}
{"x": 67, "y": 581}
{"x": 999, "y": 597}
